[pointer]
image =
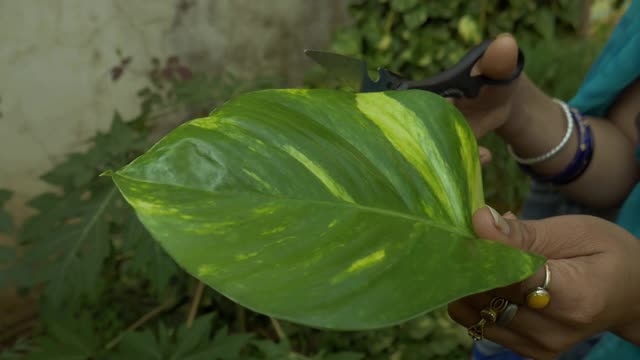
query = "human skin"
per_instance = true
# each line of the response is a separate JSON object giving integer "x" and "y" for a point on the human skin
{"x": 532, "y": 123}
{"x": 595, "y": 283}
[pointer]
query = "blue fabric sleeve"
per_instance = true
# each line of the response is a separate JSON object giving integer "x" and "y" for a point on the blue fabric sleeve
{"x": 617, "y": 66}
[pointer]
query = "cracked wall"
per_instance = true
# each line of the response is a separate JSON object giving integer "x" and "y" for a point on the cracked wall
{"x": 55, "y": 58}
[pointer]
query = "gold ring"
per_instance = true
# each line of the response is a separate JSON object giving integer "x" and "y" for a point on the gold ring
{"x": 539, "y": 297}
{"x": 489, "y": 314}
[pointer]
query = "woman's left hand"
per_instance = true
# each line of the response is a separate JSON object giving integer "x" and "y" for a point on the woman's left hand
{"x": 594, "y": 287}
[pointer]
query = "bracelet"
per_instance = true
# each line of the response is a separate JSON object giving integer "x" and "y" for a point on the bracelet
{"x": 580, "y": 162}
{"x": 555, "y": 150}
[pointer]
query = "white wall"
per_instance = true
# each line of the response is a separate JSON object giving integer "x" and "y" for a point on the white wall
{"x": 55, "y": 57}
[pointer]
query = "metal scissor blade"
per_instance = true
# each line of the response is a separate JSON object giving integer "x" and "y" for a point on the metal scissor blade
{"x": 353, "y": 72}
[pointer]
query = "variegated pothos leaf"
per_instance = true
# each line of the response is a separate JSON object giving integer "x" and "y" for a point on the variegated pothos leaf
{"x": 323, "y": 207}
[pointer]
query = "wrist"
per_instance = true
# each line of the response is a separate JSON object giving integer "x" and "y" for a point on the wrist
{"x": 532, "y": 115}
{"x": 518, "y": 118}
{"x": 631, "y": 333}
{"x": 535, "y": 126}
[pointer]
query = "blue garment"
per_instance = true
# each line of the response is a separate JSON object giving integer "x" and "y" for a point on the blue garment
{"x": 611, "y": 346}
{"x": 617, "y": 66}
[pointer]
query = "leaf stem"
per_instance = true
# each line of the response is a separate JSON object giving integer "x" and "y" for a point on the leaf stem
{"x": 195, "y": 304}
{"x": 483, "y": 16}
{"x": 146, "y": 317}
{"x": 241, "y": 318}
{"x": 276, "y": 326}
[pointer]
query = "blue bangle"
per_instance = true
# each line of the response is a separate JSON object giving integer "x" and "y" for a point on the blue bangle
{"x": 580, "y": 161}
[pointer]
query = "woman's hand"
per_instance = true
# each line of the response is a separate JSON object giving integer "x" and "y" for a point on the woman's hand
{"x": 595, "y": 283}
{"x": 533, "y": 124}
{"x": 491, "y": 109}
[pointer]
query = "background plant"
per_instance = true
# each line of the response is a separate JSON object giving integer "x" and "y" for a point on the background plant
{"x": 420, "y": 38}
{"x": 109, "y": 292}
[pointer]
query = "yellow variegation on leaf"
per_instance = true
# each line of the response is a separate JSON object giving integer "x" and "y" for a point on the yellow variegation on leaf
{"x": 323, "y": 207}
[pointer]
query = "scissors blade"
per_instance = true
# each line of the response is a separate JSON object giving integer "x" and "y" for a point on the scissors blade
{"x": 352, "y": 72}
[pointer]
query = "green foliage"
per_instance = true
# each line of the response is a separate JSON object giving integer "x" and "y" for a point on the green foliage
{"x": 66, "y": 243}
{"x": 6, "y": 223}
{"x": 17, "y": 350}
{"x": 184, "y": 343}
{"x": 327, "y": 190}
{"x": 101, "y": 270}
{"x": 7, "y": 253}
{"x": 421, "y": 38}
{"x": 67, "y": 338}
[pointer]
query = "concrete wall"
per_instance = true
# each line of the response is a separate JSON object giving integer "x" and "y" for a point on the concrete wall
{"x": 55, "y": 56}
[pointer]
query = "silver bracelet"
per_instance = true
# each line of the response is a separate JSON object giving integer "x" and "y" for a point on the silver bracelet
{"x": 555, "y": 150}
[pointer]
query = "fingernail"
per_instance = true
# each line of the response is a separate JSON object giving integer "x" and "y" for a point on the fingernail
{"x": 500, "y": 223}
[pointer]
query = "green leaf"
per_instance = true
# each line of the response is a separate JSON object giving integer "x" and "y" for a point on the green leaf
{"x": 66, "y": 246}
{"x": 348, "y": 42}
{"x": 545, "y": 24}
{"x": 322, "y": 207}
{"x": 344, "y": 356}
{"x": 223, "y": 346}
{"x": 416, "y": 17}
{"x": 87, "y": 247}
{"x": 190, "y": 343}
{"x": 139, "y": 345}
{"x": 469, "y": 30}
{"x": 6, "y": 221}
{"x": 149, "y": 260}
{"x": 17, "y": 350}
{"x": 190, "y": 338}
{"x": 403, "y": 5}
{"x": 7, "y": 254}
{"x": 67, "y": 338}
{"x": 273, "y": 350}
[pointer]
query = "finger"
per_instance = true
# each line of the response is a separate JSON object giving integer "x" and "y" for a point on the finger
{"x": 561, "y": 237}
{"x": 484, "y": 154}
{"x": 488, "y": 224}
{"x": 540, "y": 329}
{"x": 500, "y": 59}
{"x": 554, "y": 238}
{"x": 498, "y": 62}
{"x": 467, "y": 316}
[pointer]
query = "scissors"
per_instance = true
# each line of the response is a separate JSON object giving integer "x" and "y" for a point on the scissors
{"x": 455, "y": 82}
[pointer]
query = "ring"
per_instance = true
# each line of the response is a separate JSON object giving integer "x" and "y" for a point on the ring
{"x": 539, "y": 297}
{"x": 490, "y": 314}
{"x": 505, "y": 318}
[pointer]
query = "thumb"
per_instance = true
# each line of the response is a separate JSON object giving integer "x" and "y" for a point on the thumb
{"x": 530, "y": 236}
{"x": 558, "y": 237}
{"x": 500, "y": 58}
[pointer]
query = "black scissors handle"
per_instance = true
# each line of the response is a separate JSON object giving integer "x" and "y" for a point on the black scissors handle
{"x": 457, "y": 81}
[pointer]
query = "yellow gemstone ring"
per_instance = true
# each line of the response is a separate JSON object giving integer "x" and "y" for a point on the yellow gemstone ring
{"x": 539, "y": 297}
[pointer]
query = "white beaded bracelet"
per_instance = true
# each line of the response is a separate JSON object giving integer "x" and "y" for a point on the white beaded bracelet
{"x": 555, "y": 150}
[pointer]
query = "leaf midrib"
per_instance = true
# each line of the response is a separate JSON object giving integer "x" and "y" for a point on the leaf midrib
{"x": 363, "y": 208}
{"x": 85, "y": 231}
